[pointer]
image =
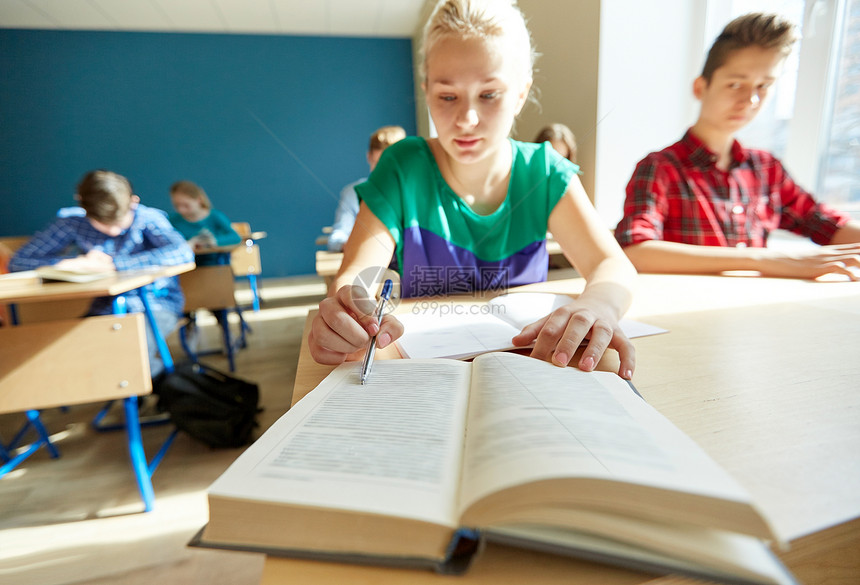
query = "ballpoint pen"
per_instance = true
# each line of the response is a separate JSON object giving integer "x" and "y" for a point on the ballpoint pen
{"x": 371, "y": 349}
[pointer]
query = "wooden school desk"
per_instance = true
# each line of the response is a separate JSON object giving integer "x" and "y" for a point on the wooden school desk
{"x": 44, "y": 364}
{"x": 763, "y": 373}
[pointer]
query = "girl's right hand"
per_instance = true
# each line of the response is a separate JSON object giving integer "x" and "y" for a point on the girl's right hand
{"x": 345, "y": 323}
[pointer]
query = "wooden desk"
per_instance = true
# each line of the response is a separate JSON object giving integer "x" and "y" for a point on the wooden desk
{"x": 113, "y": 285}
{"x": 762, "y": 373}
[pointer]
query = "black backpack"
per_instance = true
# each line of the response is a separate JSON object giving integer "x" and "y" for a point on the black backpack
{"x": 209, "y": 405}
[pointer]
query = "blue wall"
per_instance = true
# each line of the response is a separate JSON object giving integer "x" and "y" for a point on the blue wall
{"x": 270, "y": 126}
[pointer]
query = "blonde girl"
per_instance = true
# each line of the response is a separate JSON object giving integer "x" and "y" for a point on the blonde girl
{"x": 469, "y": 209}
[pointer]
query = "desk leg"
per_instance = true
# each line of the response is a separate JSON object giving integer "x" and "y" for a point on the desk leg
{"x": 137, "y": 454}
{"x": 163, "y": 351}
{"x": 225, "y": 334}
{"x": 255, "y": 292}
{"x": 33, "y": 416}
{"x": 34, "y": 421}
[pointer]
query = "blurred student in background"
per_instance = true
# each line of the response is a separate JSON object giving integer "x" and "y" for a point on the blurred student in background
{"x": 561, "y": 138}
{"x": 112, "y": 231}
{"x": 201, "y": 225}
{"x": 347, "y": 207}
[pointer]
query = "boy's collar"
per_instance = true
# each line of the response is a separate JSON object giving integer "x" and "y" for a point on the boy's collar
{"x": 702, "y": 155}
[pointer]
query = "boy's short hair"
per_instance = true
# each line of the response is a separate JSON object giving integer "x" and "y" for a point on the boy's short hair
{"x": 756, "y": 29}
{"x": 105, "y": 196}
{"x": 192, "y": 190}
{"x": 385, "y": 137}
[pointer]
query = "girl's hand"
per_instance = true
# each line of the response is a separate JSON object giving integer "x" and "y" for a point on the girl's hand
{"x": 345, "y": 323}
{"x": 558, "y": 335}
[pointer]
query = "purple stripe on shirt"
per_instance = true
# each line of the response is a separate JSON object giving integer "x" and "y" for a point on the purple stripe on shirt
{"x": 434, "y": 266}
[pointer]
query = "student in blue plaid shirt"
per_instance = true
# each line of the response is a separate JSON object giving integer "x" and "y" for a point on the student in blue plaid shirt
{"x": 112, "y": 231}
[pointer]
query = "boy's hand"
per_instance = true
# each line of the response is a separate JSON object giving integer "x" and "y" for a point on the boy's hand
{"x": 843, "y": 259}
{"x": 344, "y": 325}
{"x": 558, "y": 335}
{"x": 92, "y": 261}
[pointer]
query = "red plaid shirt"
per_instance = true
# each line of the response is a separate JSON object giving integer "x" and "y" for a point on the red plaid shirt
{"x": 679, "y": 195}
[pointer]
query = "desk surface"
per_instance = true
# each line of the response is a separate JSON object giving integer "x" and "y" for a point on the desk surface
{"x": 762, "y": 373}
{"x": 106, "y": 287}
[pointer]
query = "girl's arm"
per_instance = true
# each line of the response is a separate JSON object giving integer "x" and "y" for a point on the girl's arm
{"x": 594, "y": 315}
{"x": 223, "y": 230}
{"x": 345, "y": 322}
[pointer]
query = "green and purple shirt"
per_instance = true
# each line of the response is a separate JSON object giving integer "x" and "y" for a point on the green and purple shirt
{"x": 443, "y": 246}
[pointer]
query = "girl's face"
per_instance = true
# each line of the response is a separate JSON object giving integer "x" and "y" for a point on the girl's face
{"x": 188, "y": 207}
{"x": 474, "y": 91}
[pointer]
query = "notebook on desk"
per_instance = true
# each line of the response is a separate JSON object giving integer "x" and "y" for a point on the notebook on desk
{"x": 451, "y": 329}
{"x": 14, "y": 280}
{"x": 49, "y": 273}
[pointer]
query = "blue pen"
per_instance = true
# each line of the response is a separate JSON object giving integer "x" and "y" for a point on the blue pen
{"x": 371, "y": 349}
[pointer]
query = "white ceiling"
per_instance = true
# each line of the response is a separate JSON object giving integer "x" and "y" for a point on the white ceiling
{"x": 374, "y": 18}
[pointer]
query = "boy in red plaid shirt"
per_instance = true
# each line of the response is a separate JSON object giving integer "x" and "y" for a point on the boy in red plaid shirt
{"x": 706, "y": 204}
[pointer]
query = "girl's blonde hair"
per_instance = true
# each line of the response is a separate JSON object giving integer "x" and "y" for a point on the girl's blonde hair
{"x": 191, "y": 190}
{"x": 482, "y": 19}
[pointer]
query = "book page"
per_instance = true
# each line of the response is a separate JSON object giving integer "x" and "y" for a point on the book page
{"x": 530, "y": 420}
{"x": 71, "y": 275}
{"x": 523, "y": 308}
{"x": 458, "y": 330}
{"x": 391, "y": 446}
{"x": 12, "y": 280}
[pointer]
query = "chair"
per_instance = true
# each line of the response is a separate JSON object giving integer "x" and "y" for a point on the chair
{"x": 48, "y": 365}
{"x": 245, "y": 260}
{"x": 211, "y": 288}
{"x": 8, "y": 246}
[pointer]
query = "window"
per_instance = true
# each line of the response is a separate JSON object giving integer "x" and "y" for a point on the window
{"x": 839, "y": 181}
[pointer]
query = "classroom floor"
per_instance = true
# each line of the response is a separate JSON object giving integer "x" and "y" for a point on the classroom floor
{"x": 79, "y": 519}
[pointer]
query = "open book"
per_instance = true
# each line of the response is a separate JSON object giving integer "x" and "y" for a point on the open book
{"x": 13, "y": 280}
{"x": 449, "y": 329}
{"x": 429, "y": 454}
{"x": 71, "y": 275}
